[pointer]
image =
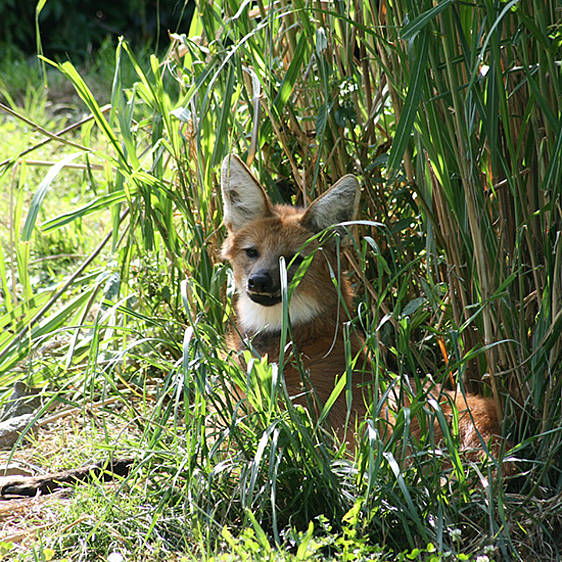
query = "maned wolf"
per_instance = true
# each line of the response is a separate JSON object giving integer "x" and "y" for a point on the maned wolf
{"x": 259, "y": 233}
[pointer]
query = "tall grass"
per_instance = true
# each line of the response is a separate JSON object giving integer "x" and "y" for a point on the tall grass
{"x": 450, "y": 115}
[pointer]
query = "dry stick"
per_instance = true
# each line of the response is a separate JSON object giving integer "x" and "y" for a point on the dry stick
{"x": 70, "y": 280}
{"x": 72, "y": 166}
{"x": 32, "y": 485}
{"x": 256, "y": 91}
{"x": 52, "y": 136}
{"x": 76, "y": 125}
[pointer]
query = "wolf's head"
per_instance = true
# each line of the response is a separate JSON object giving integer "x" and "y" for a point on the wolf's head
{"x": 260, "y": 233}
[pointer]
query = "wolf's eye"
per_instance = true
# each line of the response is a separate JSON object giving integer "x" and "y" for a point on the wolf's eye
{"x": 252, "y": 253}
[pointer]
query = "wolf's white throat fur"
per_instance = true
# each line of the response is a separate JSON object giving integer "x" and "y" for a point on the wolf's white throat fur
{"x": 254, "y": 317}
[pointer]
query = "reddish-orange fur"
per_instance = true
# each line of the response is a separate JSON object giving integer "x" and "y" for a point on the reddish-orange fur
{"x": 276, "y": 231}
{"x": 319, "y": 341}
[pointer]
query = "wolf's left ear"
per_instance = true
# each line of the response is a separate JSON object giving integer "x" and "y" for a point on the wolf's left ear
{"x": 339, "y": 204}
{"x": 244, "y": 199}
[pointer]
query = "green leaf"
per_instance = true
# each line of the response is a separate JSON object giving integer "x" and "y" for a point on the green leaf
{"x": 412, "y": 306}
{"x": 417, "y": 24}
{"x": 409, "y": 111}
{"x": 40, "y": 195}
{"x": 338, "y": 389}
{"x": 413, "y": 512}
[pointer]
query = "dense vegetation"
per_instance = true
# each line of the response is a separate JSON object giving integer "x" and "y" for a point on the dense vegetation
{"x": 450, "y": 114}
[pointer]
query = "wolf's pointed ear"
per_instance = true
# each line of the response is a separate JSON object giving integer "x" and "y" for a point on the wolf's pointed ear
{"x": 339, "y": 204}
{"x": 244, "y": 199}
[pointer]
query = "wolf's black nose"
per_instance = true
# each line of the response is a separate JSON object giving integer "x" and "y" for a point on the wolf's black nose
{"x": 261, "y": 282}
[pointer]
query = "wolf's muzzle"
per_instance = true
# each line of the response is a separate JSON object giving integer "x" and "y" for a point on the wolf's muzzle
{"x": 263, "y": 289}
{"x": 265, "y": 299}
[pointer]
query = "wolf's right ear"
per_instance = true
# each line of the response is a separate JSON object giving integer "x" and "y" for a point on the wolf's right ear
{"x": 244, "y": 199}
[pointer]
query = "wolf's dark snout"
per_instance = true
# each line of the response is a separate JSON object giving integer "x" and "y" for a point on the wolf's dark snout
{"x": 263, "y": 288}
{"x": 261, "y": 282}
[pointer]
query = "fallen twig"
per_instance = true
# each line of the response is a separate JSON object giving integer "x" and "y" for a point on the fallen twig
{"x": 30, "y": 486}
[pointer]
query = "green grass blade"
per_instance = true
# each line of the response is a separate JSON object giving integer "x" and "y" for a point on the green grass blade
{"x": 413, "y": 97}
{"x": 40, "y": 195}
